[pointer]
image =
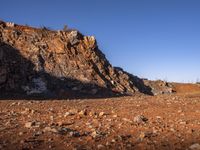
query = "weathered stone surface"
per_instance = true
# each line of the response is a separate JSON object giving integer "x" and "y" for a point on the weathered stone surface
{"x": 159, "y": 87}
{"x": 59, "y": 63}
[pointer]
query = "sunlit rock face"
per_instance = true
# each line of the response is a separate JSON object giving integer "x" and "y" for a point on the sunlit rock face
{"x": 36, "y": 61}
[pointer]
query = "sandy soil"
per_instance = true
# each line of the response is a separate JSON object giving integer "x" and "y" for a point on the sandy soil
{"x": 137, "y": 122}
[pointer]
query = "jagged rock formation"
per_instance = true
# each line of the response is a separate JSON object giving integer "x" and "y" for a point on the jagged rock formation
{"x": 159, "y": 87}
{"x": 58, "y": 63}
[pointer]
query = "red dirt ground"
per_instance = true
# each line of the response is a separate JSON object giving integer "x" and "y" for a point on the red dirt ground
{"x": 173, "y": 122}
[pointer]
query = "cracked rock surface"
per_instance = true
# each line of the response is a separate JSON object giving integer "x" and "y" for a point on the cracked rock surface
{"x": 36, "y": 61}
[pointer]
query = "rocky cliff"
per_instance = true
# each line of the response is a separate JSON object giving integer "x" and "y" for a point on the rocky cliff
{"x": 39, "y": 61}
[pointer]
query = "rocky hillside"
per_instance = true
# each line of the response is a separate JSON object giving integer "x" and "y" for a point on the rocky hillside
{"x": 39, "y": 61}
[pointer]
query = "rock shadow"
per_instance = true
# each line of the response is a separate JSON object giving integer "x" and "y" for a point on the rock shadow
{"x": 19, "y": 80}
{"x": 138, "y": 83}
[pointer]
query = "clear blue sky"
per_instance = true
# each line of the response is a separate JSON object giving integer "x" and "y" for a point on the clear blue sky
{"x": 155, "y": 39}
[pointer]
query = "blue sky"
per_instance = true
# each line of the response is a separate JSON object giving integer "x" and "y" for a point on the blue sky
{"x": 155, "y": 39}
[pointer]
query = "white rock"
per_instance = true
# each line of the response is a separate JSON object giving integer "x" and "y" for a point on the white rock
{"x": 10, "y": 24}
{"x": 101, "y": 114}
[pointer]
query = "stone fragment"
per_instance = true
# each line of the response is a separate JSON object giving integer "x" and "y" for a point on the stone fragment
{"x": 30, "y": 124}
{"x": 195, "y": 146}
{"x": 140, "y": 119}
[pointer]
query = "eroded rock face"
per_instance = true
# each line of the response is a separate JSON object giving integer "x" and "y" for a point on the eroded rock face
{"x": 42, "y": 61}
{"x": 159, "y": 87}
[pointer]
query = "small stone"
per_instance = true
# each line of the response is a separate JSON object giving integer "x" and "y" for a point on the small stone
{"x": 69, "y": 114}
{"x": 96, "y": 134}
{"x": 51, "y": 109}
{"x": 158, "y": 117}
{"x": 61, "y": 123}
{"x": 180, "y": 111}
{"x": 21, "y": 133}
{"x": 101, "y": 114}
{"x": 113, "y": 140}
{"x": 93, "y": 114}
{"x": 140, "y": 119}
{"x": 29, "y": 124}
{"x": 33, "y": 111}
{"x": 109, "y": 120}
{"x": 74, "y": 134}
{"x": 195, "y": 146}
{"x": 115, "y": 116}
{"x": 142, "y": 135}
{"x": 100, "y": 146}
{"x": 83, "y": 112}
{"x": 22, "y": 141}
{"x": 183, "y": 123}
{"x": 26, "y": 111}
{"x": 12, "y": 104}
{"x": 51, "y": 118}
{"x": 38, "y": 133}
{"x": 172, "y": 129}
{"x": 127, "y": 120}
{"x": 49, "y": 129}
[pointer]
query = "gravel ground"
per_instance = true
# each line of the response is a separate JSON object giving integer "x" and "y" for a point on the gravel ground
{"x": 139, "y": 122}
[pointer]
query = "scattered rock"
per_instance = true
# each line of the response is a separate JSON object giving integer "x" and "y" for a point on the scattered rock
{"x": 127, "y": 120}
{"x": 30, "y": 124}
{"x": 195, "y": 146}
{"x": 83, "y": 112}
{"x": 38, "y": 133}
{"x": 10, "y": 24}
{"x": 50, "y": 129}
{"x": 96, "y": 134}
{"x": 64, "y": 123}
{"x": 74, "y": 134}
{"x": 140, "y": 119}
{"x": 69, "y": 114}
{"x": 93, "y": 114}
{"x": 26, "y": 111}
{"x": 73, "y": 37}
{"x": 115, "y": 116}
{"x": 100, "y": 146}
{"x": 102, "y": 114}
{"x": 21, "y": 133}
{"x": 113, "y": 141}
{"x": 142, "y": 135}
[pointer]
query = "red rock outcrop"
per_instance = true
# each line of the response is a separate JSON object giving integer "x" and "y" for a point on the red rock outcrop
{"x": 42, "y": 61}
